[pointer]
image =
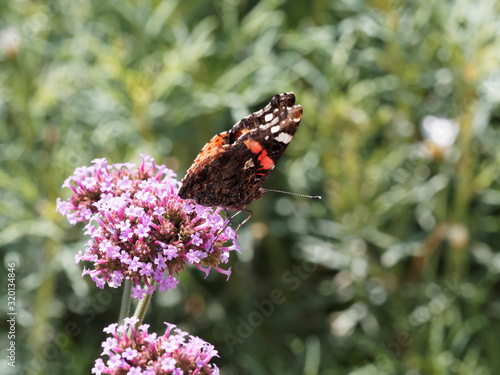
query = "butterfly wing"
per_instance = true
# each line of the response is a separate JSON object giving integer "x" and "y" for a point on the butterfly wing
{"x": 219, "y": 175}
{"x": 268, "y": 141}
{"x": 231, "y": 168}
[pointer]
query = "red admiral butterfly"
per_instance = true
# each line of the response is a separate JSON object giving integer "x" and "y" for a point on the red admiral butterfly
{"x": 231, "y": 168}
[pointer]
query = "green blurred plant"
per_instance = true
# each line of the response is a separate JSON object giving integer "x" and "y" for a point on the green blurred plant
{"x": 404, "y": 241}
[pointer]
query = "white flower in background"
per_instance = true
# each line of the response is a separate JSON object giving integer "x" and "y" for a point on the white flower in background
{"x": 10, "y": 41}
{"x": 491, "y": 87}
{"x": 440, "y": 131}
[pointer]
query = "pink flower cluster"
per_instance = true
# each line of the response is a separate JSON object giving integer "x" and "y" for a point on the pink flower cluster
{"x": 140, "y": 229}
{"x": 143, "y": 353}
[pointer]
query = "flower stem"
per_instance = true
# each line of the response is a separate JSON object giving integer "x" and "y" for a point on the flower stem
{"x": 126, "y": 298}
{"x": 142, "y": 307}
{"x": 456, "y": 260}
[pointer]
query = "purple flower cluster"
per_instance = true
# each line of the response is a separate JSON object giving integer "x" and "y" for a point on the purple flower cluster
{"x": 140, "y": 229}
{"x": 147, "y": 354}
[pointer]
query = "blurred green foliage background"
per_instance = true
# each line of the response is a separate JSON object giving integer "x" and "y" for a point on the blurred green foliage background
{"x": 395, "y": 271}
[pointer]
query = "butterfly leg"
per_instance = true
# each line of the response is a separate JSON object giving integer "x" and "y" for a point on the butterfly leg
{"x": 244, "y": 221}
{"x": 230, "y": 219}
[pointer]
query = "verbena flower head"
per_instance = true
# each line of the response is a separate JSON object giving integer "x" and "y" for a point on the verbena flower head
{"x": 147, "y": 354}
{"x": 140, "y": 228}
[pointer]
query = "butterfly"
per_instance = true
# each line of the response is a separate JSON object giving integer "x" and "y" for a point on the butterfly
{"x": 233, "y": 165}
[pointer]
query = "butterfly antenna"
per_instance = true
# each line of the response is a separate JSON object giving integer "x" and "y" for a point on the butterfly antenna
{"x": 296, "y": 194}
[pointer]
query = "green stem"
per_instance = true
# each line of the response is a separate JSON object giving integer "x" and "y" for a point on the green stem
{"x": 141, "y": 308}
{"x": 126, "y": 298}
{"x": 456, "y": 262}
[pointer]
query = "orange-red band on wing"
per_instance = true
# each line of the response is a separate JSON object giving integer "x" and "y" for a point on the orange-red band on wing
{"x": 254, "y": 146}
{"x": 265, "y": 161}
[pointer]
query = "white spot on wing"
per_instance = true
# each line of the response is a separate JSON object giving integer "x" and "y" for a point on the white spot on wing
{"x": 268, "y": 117}
{"x": 275, "y": 129}
{"x": 249, "y": 164}
{"x": 275, "y": 121}
{"x": 284, "y": 138}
